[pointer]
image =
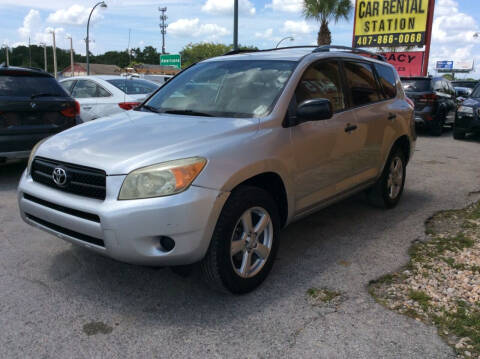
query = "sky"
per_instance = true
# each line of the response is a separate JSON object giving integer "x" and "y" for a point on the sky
{"x": 262, "y": 23}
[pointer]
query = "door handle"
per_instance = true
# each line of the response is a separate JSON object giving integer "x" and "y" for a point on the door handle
{"x": 350, "y": 128}
{"x": 392, "y": 116}
{"x": 87, "y": 107}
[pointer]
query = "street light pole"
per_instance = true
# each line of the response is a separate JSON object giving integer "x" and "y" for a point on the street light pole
{"x": 71, "y": 56}
{"x": 235, "y": 25}
{"x": 44, "y": 54}
{"x": 6, "y": 55}
{"x": 102, "y": 4}
{"x": 54, "y": 55}
{"x": 282, "y": 40}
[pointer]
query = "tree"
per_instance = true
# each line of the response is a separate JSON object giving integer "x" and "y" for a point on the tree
{"x": 325, "y": 11}
{"x": 193, "y": 53}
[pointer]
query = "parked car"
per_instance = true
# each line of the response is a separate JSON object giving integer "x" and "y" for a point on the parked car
{"x": 435, "y": 102}
{"x": 105, "y": 95}
{"x": 468, "y": 116}
{"x": 32, "y": 106}
{"x": 465, "y": 83}
{"x": 224, "y": 155}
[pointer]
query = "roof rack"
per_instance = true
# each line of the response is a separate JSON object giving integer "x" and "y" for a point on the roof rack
{"x": 327, "y": 48}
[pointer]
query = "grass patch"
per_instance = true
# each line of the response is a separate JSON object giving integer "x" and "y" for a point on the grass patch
{"x": 323, "y": 295}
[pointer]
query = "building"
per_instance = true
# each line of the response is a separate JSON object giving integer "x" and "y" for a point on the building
{"x": 147, "y": 69}
{"x": 80, "y": 69}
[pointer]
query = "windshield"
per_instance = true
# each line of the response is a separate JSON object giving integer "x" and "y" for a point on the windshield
{"x": 419, "y": 85}
{"x": 476, "y": 92}
{"x": 233, "y": 88}
{"x": 134, "y": 87}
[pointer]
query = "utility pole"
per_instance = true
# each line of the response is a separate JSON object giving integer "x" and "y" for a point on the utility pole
{"x": 44, "y": 54}
{"x": 29, "y": 53}
{"x": 235, "y": 25}
{"x": 71, "y": 56}
{"x": 54, "y": 55}
{"x": 163, "y": 25}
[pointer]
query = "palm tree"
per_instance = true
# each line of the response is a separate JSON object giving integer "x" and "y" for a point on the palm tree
{"x": 325, "y": 11}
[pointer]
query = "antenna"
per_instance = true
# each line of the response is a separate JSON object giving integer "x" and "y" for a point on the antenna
{"x": 163, "y": 25}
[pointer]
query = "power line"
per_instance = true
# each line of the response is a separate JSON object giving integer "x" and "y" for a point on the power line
{"x": 163, "y": 25}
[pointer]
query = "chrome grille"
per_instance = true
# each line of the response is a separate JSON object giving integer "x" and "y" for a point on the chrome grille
{"x": 82, "y": 181}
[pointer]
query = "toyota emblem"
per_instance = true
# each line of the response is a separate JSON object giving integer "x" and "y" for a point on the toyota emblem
{"x": 59, "y": 176}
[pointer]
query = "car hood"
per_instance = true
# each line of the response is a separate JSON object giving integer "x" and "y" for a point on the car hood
{"x": 472, "y": 102}
{"x": 134, "y": 139}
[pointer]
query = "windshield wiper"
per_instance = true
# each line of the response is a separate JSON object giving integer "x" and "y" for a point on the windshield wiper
{"x": 188, "y": 113}
{"x": 45, "y": 95}
{"x": 149, "y": 108}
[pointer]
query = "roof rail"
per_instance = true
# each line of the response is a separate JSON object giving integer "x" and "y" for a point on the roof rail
{"x": 241, "y": 51}
{"x": 326, "y": 48}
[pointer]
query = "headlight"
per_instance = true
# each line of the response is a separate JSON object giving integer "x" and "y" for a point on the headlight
{"x": 163, "y": 179}
{"x": 465, "y": 110}
{"x": 32, "y": 154}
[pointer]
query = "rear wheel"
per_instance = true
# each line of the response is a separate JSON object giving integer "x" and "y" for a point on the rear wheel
{"x": 437, "y": 125}
{"x": 244, "y": 243}
{"x": 388, "y": 190}
{"x": 458, "y": 134}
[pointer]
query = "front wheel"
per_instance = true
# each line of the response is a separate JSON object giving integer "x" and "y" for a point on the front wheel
{"x": 388, "y": 190}
{"x": 458, "y": 134}
{"x": 244, "y": 243}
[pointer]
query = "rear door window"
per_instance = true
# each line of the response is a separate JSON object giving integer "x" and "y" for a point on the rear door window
{"x": 322, "y": 80}
{"x": 387, "y": 79}
{"x": 26, "y": 86}
{"x": 361, "y": 83}
{"x": 88, "y": 89}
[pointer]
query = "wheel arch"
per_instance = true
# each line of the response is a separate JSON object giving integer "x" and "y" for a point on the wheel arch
{"x": 274, "y": 181}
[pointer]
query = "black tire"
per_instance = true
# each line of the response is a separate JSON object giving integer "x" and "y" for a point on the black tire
{"x": 379, "y": 195}
{"x": 436, "y": 128}
{"x": 458, "y": 134}
{"x": 218, "y": 268}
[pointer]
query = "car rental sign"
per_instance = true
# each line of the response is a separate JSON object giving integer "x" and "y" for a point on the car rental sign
{"x": 390, "y": 23}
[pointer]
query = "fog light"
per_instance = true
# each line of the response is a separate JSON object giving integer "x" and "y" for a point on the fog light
{"x": 167, "y": 243}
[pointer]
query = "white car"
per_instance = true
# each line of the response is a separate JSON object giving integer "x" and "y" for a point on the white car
{"x": 105, "y": 95}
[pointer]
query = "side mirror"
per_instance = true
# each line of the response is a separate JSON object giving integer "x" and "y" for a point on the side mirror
{"x": 314, "y": 110}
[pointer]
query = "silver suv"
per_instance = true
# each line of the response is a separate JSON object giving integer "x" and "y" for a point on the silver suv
{"x": 211, "y": 166}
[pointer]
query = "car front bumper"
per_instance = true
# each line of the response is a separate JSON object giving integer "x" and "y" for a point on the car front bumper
{"x": 128, "y": 231}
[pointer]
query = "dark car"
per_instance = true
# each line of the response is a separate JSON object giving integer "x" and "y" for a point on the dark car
{"x": 467, "y": 118}
{"x": 465, "y": 83}
{"x": 33, "y": 106}
{"x": 435, "y": 102}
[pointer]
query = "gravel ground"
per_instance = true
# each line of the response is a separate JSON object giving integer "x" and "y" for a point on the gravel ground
{"x": 441, "y": 283}
{"x": 59, "y": 301}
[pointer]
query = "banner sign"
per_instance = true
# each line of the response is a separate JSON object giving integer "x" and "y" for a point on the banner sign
{"x": 444, "y": 65}
{"x": 408, "y": 64}
{"x": 390, "y": 23}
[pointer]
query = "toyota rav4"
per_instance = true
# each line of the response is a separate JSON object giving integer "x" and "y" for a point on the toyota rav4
{"x": 211, "y": 166}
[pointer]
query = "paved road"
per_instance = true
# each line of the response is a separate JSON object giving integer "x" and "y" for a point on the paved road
{"x": 59, "y": 301}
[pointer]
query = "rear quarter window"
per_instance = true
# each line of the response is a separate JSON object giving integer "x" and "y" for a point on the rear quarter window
{"x": 387, "y": 79}
{"x": 26, "y": 86}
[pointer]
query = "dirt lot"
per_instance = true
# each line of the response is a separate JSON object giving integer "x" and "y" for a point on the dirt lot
{"x": 59, "y": 301}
